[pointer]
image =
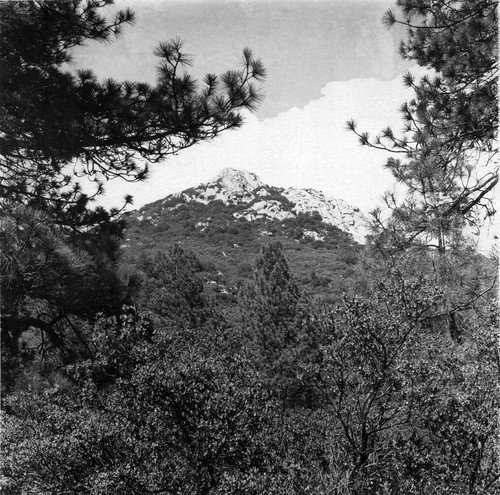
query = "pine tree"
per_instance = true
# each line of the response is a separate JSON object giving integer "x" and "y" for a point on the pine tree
{"x": 59, "y": 255}
{"x": 173, "y": 289}
{"x": 274, "y": 290}
{"x": 270, "y": 299}
{"x": 53, "y": 118}
{"x": 273, "y": 320}
{"x": 449, "y": 162}
{"x": 50, "y": 276}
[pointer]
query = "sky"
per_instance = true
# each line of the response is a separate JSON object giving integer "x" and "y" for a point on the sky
{"x": 327, "y": 61}
{"x": 303, "y": 44}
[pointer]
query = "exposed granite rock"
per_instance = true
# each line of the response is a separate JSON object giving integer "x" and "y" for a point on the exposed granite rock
{"x": 234, "y": 186}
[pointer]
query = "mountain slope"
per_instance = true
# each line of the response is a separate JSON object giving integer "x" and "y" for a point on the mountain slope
{"x": 227, "y": 219}
{"x": 236, "y": 187}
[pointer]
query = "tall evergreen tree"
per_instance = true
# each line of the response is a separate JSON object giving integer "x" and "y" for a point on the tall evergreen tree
{"x": 273, "y": 293}
{"x": 269, "y": 301}
{"x": 449, "y": 152}
{"x": 173, "y": 289}
{"x": 60, "y": 256}
{"x": 275, "y": 323}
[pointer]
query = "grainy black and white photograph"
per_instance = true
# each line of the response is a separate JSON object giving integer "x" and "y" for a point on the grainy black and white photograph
{"x": 249, "y": 247}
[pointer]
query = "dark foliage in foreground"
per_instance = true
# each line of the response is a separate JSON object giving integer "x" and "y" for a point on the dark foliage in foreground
{"x": 369, "y": 396}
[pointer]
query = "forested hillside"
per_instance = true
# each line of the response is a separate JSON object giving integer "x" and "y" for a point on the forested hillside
{"x": 226, "y": 235}
{"x": 248, "y": 346}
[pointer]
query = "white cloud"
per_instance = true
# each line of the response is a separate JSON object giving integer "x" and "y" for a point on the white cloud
{"x": 303, "y": 147}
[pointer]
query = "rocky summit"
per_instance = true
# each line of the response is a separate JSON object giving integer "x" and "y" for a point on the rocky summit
{"x": 227, "y": 220}
{"x": 240, "y": 187}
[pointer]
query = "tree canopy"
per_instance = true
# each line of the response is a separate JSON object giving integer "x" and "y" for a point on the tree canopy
{"x": 59, "y": 255}
{"x": 56, "y": 123}
{"x": 447, "y": 156}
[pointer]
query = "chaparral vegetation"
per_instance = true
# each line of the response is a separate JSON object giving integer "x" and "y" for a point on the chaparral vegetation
{"x": 133, "y": 363}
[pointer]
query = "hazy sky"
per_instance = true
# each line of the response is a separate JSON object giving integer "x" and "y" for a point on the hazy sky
{"x": 327, "y": 61}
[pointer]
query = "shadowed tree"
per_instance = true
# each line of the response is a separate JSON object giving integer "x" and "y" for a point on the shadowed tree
{"x": 57, "y": 123}
{"x": 278, "y": 328}
{"x": 59, "y": 255}
{"x": 50, "y": 275}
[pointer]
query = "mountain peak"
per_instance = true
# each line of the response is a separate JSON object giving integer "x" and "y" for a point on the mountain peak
{"x": 241, "y": 187}
{"x": 238, "y": 181}
{"x": 230, "y": 186}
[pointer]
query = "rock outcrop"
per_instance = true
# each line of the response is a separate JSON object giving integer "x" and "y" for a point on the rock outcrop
{"x": 240, "y": 187}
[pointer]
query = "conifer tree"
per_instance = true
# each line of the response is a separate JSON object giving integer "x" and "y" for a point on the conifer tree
{"x": 273, "y": 293}
{"x": 173, "y": 289}
{"x": 447, "y": 157}
{"x": 271, "y": 309}
{"x": 270, "y": 299}
{"x": 49, "y": 277}
{"x": 55, "y": 123}
{"x": 58, "y": 124}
